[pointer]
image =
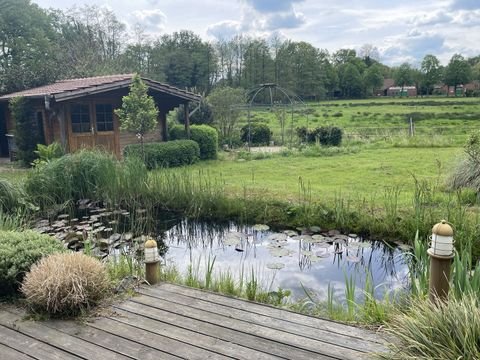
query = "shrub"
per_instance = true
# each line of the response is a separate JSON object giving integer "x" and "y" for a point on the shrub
{"x": 260, "y": 134}
{"x": 325, "y": 135}
{"x": 47, "y": 153}
{"x": 65, "y": 283}
{"x": 205, "y": 136}
{"x": 166, "y": 154}
{"x": 18, "y": 251}
{"x": 437, "y": 331}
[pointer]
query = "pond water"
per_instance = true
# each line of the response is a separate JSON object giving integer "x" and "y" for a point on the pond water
{"x": 286, "y": 259}
{"x": 293, "y": 259}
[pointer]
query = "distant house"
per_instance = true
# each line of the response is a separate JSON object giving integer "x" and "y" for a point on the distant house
{"x": 78, "y": 113}
{"x": 401, "y": 91}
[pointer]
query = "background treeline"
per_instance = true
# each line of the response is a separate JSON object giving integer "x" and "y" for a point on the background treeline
{"x": 39, "y": 46}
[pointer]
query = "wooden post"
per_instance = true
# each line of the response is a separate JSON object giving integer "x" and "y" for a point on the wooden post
{"x": 187, "y": 119}
{"x": 152, "y": 261}
{"x": 439, "y": 284}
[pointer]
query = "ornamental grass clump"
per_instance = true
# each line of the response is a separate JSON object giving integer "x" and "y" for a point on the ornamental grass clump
{"x": 66, "y": 284}
{"x": 443, "y": 332}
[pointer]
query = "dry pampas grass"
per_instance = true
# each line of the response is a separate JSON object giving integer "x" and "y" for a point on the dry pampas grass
{"x": 65, "y": 283}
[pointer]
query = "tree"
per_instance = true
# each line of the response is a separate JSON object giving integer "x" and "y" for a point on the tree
{"x": 203, "y": 114}
{"x": 458, "y": 71}
{"x": 138, "y": 113}
{"x": 403, "y": 75}
{"x": 351, "y": 81}
{"x": 29, "y": 53}
{"x": 224, "y": 102}
{"x": 431, "y": 71}
{"x": 373, "y": 78}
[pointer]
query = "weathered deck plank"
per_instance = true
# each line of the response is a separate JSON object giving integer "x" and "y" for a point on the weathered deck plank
{"x": 144, "y": 305}
{"x": 174, "y": 322}
{"x": 9, "y": 353}
{"x": 252, "y": 318}
{"x": 31, "y": 346}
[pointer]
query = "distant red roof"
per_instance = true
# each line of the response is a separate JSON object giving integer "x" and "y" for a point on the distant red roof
{"x": 71, "y": 88}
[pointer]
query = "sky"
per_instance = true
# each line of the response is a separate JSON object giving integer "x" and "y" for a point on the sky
{"x": 401, "y": 30}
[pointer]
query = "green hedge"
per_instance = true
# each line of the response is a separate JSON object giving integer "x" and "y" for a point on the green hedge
{"x": 260, "y": 134}
{"x": 165, "y": 154}
{"x": 204, "y": 135}
{"x": 18, "y": 252}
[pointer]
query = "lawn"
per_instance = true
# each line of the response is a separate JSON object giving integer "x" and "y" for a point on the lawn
{"x": 363, "y": 175}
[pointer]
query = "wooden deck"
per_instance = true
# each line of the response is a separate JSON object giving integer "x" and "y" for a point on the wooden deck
{"x": 174, "y": 322}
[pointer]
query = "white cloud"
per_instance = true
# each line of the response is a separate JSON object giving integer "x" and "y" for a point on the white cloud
{"x": 151, "y": 20}
{"x": 225, "y": 30}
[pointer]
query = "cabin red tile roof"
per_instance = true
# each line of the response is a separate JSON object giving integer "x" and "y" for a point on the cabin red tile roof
{"x": 79, "y": 86}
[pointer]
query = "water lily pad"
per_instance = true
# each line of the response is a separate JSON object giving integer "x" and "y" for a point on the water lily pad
{"x": 365, "y": 245}
{"x": 306, "y": 238}
{"x": 354, "y": 259}
{"x": 341, "y": 237}
{"x": 277, "y": 237}
{"x": 275, "y": 266}
{"x": 290, "y": 233}
{"x": 306, "y": 253}
{"x": 353, "y": 236}
{"x": 319, "y": 238}
{"x": 315, "y": 229}
{"x": 280, "y": 252}
{"x": 339, "y": 241}
{"x": 233, "y": 238}
{"x": 261, "y": 227}
{"x": 314, "y": 259}
{"x": 323, "y": 245}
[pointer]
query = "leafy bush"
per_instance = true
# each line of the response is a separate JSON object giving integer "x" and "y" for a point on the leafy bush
{"x": 47, "y": 153}
{"x": 260, "y": 134}
{"x": 325, "y": 135}
{"x": 205, "y": 136}
{"x": 166, "y": 154}
{"x": 440, "y": 331}
{"x": 66, "y": 283}
{"x": 18, "y": 251}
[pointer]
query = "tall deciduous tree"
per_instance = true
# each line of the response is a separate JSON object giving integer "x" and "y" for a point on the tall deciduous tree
{"x": 458, "y": 71}
{"x": 28, "y": 46}
{"x": 432, "y": 72}
{"x": 138, "y": 113}
{"x": 225, "y": 102}
{"x": 373, "y": 78}
{"x": 403, "y": 75}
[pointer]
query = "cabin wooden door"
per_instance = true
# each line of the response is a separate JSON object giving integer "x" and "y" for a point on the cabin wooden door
{"x": 81, "y": 130}
{"x": 92, "y": 125}
{"x": 105, "y": 127}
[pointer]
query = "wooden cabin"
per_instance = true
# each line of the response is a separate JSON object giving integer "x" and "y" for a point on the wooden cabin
{"x": 78, "y": 113}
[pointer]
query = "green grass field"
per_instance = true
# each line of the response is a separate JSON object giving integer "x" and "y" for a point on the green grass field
{"x": 382, "y": 117}
{"x": 357, "y": 176}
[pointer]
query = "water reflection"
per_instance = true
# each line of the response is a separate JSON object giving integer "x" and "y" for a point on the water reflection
{"x": 290, "y": 262}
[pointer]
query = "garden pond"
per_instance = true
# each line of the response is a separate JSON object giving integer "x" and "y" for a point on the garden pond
{"x": 304, "y": 259}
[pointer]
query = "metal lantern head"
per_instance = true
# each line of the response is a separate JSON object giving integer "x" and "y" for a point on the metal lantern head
{"x": 442, "y": 239}
{"x": 151, "y": 251}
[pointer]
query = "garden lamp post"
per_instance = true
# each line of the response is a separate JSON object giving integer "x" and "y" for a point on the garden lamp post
{"x": 441, "y": 254}
{"x": 152, "y": 260}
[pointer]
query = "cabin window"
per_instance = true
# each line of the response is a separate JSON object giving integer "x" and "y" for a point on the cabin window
{"x": 104, "y": 116}
{"x": 80, "y": 115}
